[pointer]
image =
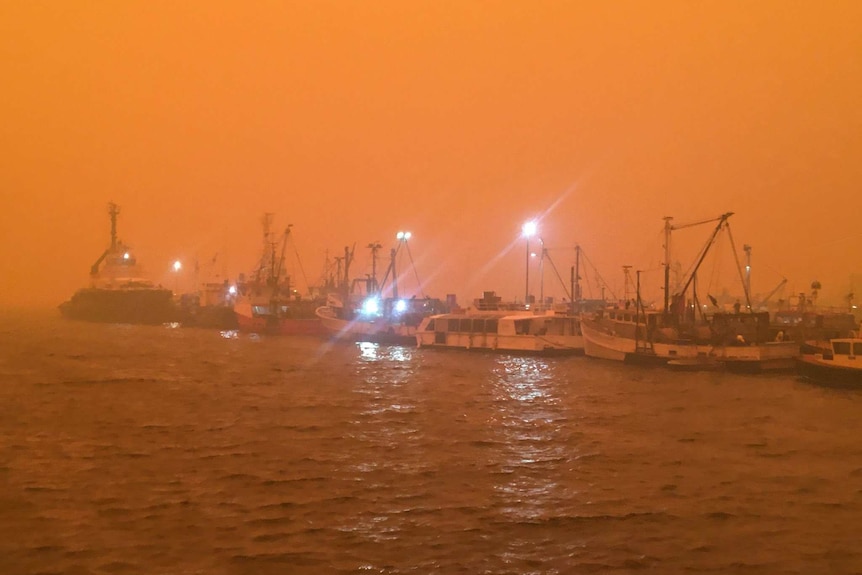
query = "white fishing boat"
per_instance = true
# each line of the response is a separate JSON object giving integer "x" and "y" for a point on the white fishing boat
{"x": 504, "y": 331}
{"x": 637, "y": 337}
{"x": 682, "y": 334}
{"x": 840, "y": 364}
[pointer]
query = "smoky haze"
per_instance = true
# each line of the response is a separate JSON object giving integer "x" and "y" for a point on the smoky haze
{"x": 457, "y": 121}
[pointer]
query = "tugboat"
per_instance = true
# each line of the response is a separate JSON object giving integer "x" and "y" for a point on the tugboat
{"x": 117, "y": 293}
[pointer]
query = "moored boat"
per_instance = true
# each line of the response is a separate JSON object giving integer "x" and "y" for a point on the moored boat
{"x": 749, "y": 342}
{"x": 683, "y": 335}
{"x": 378, "y": 320}
{"x": 268, "y": 302}
{"x": 365, "y": 310}
{"x": 210, "y": 307}
{"x": 503, "y": 331}
{"x": 117, "y": 292}
{"x": 639, "y": 337}
{"x": 841, "y": 364}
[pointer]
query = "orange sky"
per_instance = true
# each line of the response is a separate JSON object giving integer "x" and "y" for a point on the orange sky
{"x": 456, "y": 120}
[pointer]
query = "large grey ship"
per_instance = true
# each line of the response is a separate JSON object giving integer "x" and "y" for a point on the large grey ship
{"x": 117, "y": 293}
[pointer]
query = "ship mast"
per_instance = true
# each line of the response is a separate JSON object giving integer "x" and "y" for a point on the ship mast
{"x": 113, "y": 211}
{"x": 372, "y": 287}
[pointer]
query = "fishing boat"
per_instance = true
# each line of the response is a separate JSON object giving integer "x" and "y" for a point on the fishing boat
{"x": 840, "y": 364}
{"x": 524, "y": 331}
{"x": 681, "y": 334}
{"x": 640, "y": 337}
{"x": 268, "y": 302}
{"x": 211, "y": 306}
{"x": 365, "y": 310}
{"x": 750, "y": 342}
{"x": 118, "y": 293}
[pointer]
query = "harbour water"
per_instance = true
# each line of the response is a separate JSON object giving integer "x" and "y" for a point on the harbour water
{"x": 135, "y": 449}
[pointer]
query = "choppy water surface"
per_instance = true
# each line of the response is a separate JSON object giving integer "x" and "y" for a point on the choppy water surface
{"x": 130, "y": 449}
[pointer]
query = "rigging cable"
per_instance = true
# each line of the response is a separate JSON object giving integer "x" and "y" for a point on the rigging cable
{"x": 415, "y": 271}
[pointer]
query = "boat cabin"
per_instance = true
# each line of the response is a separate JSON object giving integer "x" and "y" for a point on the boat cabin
{"x": 845, "y": 349}
{"x": 522, "y": 324}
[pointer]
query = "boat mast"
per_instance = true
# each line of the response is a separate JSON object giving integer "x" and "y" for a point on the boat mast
{"x": 627, "y": 279}
{"x": 746, "y": 287}
{"x": 576, "y": 290}
{"x": 113, "y": 211}
{"x": 637, "y": 308}
{"x": 747, "y": 249}
{"x": 280, "y": 262}
{"x": 372, "y": 286}
{"x": 667, "y": 230}
{"x": 392, "y": 253}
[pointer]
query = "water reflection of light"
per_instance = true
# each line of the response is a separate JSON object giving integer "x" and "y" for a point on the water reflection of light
{"x": 229, "y": 334}
{"x": 368, "y": 350}
{"x": 399, "y": 353}
{"x": 375, "y": 352}
{"x": 521, "y": 378}
{"x": 527, "y": 402}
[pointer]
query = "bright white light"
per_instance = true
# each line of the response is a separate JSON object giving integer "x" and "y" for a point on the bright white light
{"x": 532, "y": 254}
{"x": 529, "y": 229}
{"x": 748, "y": 268}
{"x": 404, "y": 236}
{"x": 401, "y": 306}
{"x": 231, "y": 290}
{"x": 371, "y": 306}
{"x": 126, "y": 256}
{"x": 178, "y": 266}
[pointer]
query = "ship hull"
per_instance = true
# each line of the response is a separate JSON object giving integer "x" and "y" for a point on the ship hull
{"x": 379, "y": 331}
{"x": 293, "y": 317}
{"x": 136, "y": 306}
{"x": 825, "y": 372}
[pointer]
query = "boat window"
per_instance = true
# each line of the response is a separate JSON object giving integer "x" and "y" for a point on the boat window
{"x": 430, "y": 326}
{"x": 522, "y": 326}
{"x": 857, "y": 348}
{"x": 491, "y": 326}
{"x": 841, "y": 347}
{"x": 466, "y": 324}
{"x": 478, "y": 326}
{"x": 627, "y": 317}
{"x": 612, "y": 315}
{"x": 453, "y": 325}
